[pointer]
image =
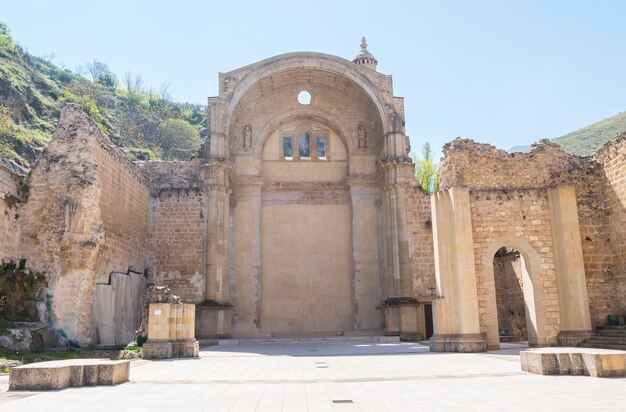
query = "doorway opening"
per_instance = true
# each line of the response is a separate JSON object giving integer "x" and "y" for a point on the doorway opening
{"x": 509, "y": 276}
{"x": 428, "y": 320}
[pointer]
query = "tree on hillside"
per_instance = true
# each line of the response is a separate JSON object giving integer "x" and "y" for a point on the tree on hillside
{"x": 178, "y": 139}
{"x": 426, "y": 170}
{"x": 4, "y": 29}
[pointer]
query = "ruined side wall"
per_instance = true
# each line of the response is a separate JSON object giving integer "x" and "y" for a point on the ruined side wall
{"x": 612, "y": 158}
{"x": 421, "y": 245}
{"x": 124, "y": 202}
{"x": 9, "y": 192}
{"x": 86, "y": 216}
{"x": 483, "y": 167}
{"x": 178, "y": 213}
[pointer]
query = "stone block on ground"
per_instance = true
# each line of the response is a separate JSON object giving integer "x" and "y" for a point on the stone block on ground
{"x": 599, "y": 363}
{"x": 55, "y": 375}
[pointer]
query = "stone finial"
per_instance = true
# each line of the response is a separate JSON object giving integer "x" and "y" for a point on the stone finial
{"x": 364, "y": 57}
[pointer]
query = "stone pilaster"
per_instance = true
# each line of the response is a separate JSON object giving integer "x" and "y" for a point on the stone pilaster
{"x": 575, "y": 322}
{"x": 399, "y": 305}
{"x": 455, "y": 309}
{"x": 365, "y": 196}
{"x": 246, "y": 254}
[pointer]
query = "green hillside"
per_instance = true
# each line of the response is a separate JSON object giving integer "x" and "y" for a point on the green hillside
{"x": 589, "y": 139}
{"x": 146, "y": 124}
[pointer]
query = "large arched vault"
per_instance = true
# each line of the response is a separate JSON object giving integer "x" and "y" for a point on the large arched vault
{"x": 307, "y": 215}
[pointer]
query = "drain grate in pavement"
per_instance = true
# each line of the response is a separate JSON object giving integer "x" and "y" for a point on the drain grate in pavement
{"x": 343, "y": 401}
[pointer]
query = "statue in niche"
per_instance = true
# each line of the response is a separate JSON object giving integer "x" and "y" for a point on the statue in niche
{"x": 247, "y": 136}
{"x": 362, "y": 137}
{"x": 398, "y": 124}
{"x": 229, "y": 84}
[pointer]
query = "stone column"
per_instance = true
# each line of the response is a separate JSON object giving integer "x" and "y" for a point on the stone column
{"x": 455, "y": 309}
{"x": 570, "y": 270}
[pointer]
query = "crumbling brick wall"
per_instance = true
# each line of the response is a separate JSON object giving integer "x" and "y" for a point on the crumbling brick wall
{"x": 520, "y": 213}
{"x": 421, "y": 244}
{"x": 178, "y": 213}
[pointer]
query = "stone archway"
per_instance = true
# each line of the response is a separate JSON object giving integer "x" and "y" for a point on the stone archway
{"x": 532, "y": 290}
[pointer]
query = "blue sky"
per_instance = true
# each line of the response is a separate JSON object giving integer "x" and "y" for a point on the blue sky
{"x": 505, "y": 72}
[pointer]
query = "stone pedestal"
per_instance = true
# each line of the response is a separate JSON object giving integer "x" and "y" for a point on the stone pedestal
{"x": 171, "y": 332}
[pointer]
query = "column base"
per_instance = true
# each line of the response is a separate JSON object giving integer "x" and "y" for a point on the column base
{"x": 213, "y": 319}
{"x": 403, "y": 318}
{"x": 573, "y": 337}
{"x": 167, "y": 349}
{"x": 156, "y": 349}
{"x": 465, "y": 343}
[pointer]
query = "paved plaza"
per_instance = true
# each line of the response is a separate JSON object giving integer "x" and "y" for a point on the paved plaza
{"x": 339, "y": 376}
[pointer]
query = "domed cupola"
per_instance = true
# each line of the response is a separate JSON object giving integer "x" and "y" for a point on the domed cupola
{"x": 364, "y": 57}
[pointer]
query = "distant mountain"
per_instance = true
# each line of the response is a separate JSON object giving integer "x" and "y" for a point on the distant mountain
{"x": 587, "y": 141}
{"x": 522, "y": 149}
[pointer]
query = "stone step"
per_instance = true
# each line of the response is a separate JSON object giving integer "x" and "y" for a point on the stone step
{"x": 308, "y": 340}
{"x": 602, "y": 346}
{"x": 611, "y": 333}
{"x": 619, "y": 327}
{"x": 602, "y": 341}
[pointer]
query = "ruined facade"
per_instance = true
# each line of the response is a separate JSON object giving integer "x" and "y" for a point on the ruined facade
{"x": 300, "y": 217}
{"x": 560, "y": 214}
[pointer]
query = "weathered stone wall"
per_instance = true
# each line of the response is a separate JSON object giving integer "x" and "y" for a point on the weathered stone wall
{"x": 178, "y": 222}
{"x": 9, "y": 202}
{"x": 482, "y": 166}
{"x": 85, "y": 217}
{"x": 177, "y": 206}
{"x": 118, "y": 308}
{"x": 520, "y": 213}
{"x": 124, "y": 207}
{"x": 421, "y": 245}
{"x": 177, "y": 236}
{"x": 612, "y": 157}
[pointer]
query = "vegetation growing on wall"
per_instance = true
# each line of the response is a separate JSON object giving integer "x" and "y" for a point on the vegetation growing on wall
{"x": 426, "y": 170}
{"x": 18, "y": 285}
{"x": 33, "y": 90}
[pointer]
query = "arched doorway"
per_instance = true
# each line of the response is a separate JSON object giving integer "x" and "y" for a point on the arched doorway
{"x": 530, "y": 289}
{"x": 509, "y": 272}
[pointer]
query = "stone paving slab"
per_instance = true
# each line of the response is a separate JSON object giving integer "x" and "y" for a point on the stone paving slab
{"x": 402, "y": 377}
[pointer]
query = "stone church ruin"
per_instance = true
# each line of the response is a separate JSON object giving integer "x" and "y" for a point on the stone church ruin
{"x": 300, "y": 217}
